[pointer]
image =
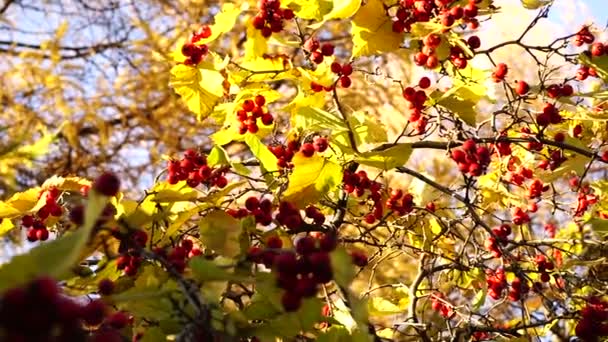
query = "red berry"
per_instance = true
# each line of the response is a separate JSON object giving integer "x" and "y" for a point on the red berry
{"x": 107, "y": 184}
{"x": 248, "y": 105}
{"x": 327, "y": 49}
{"x": 291, "y": 301}
{"x": 424, "y": 82}
{"x": 42, "y": 234}
{"x": 105, "y": 287}
{"x": 597, "y": 49}
{"x": 522, "y": 88}
{"x": 345, "y": 81}
{"x": 260, "y": 100}
{"x": 118, "y": 320}
{"x": 336, "y": 68}
{"x": 252, "y": 203}
{"x": 316, "y": 57}
{"x": 474, "y": 42}
{"x": 94, "y": 312}
{"x": 307, "y": 149}
{"x": 320, "y": 144}
{"x": 305, "y": 245}
{"x": 274, "y": 242}
{"x": 267, "y": 119}
{"x": 311, "y": 44}
{"x": 347, "y": 69}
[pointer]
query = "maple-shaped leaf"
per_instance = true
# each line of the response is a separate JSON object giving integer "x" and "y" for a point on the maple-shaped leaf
{"x": 312, "y": 178}
{"x": 372, "y": 31}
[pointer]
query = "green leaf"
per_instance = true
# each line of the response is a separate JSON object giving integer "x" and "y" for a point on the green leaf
{"x": 311, "y": 178}
{"x": 335, "y": 333}
{"x": 599, "y": 226}
{"x": 261, "y": 308}
{"x": 220, "y": 232}
{"x": 218, "y": 156}
{"x": 262, "y": 153}
{"x": 342, "y": 264}
{"x": 56, "y": 257}
{"x": 479, "y": 299}
{"x": 154, "y": 334}
{"x": 372, "y": 31}
{"x": 207, "y": 270}
{"x": 388, "y": 158}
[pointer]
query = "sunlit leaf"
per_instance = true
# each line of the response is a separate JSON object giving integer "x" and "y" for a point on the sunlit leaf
{"x": 386, "y": 159}
{"x": 312, "y": 178}
{"x": 219, "y": 232}
{"x": 262, "y": 153}
{"x": 535, "y": 4}
{"x": 224, "y": 21}
{"x": 341, "y": 9}
{"x": 372, "y": 31}
{"x": 256, "y": 45}
{"x": 378, "y": 306}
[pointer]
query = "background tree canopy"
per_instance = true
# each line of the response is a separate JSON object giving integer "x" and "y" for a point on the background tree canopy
{"x": 333, "y": 170}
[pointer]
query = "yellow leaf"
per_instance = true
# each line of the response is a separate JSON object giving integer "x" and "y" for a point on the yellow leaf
{"x": 5, "y": 226}
{"x": 372, "y": 31}
{"x": 200, "y": 88}
{"x": 224, "y": 21}
{"x": 312, "y": 178}
{"x": 219, "y": 232}
{"x": 20, "y": 203}
{"x": 341, "y": 9}
{"x": 310, "y": 9}
{"x": 535, "y": 4}
{"x": 389, "y": 158}
{"x": 66, "y": 183}
{"x": 378, "y": 306}
{"x": 256, "y": 45}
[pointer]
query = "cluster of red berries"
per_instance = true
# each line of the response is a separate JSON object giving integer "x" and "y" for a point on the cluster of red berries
{"x": 285, "y": 153}
{"x": 130, "y": 258}
{"x": 319, "y": 144}
{"x": 583, "y": 36}
{"x": 40, "y": 312}
{"x": 471, "y": 159}
{"x": 259, "y": 208}
{"x": 358, "y": 183}
{"x": 439, "y": 304}
{"x": 412, "y": 11}
{"x": 250, "y": 112}
{"x": 415, "y": 100}
{"x": 518, "y": 175}
{"x": 497, "y": 282}
{"x": 194, "y": 170}
{"x": 501, "y": 235}
{"x": 544, "y": 265}
{"x": 36, "y": 230}
{"x": 500, "y": 72}
{"x": 270, "y": 18}
{"x": 550, "y": 229}
{"x": 400, "y": 202}
{"x": 585, "y": 71}
{"x": 289, "y": 216}
{"x": 519, "y": 288}
{"x": 558, "y": 90}
{"x": 536, "y": 188}
{"x": 585, "y": 199}
{"x": 594, "y": 320}
{"x": 298, "y": 272}
{"x": 317, "y": 51}
{"x": 343, "y": 71}
{"x": 549, "y": 115}
{"x": 519, "y": 216}
{"x": 555, "y": 160}
{"x": 195, "y": 52}
{"x": 177, "y": 255}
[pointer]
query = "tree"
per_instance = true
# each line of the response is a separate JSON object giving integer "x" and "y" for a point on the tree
{"x": 482, "y": 218}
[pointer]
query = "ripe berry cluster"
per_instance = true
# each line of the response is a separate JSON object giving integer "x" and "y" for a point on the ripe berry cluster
{"x": 289, "y": 216}
{"x": 555, "y": 160}
{"x": 195, "y": 52}
{"x": 519, "y": 288}
{"x": 544, "y": 265}
{"x": 177, "y": 255}
{"x": 343, "y": 71}
{"x": 472, "y": 159}
{"x": 194, "y": 170}
{"x": 594, "y": 320}
{"x": 298, "y": 272}
{"x": 317, "y": 51}
{"x": 39, "y": 311}
{"x": 130, "y": 245}
{"x": 519, "y": 216}
{"x": 270, "y": 18}
{"x": 250, "y": 112}
{"x": 583, "y": 36}
{"x": 536, "y": 188}
{"x": 518, "y": 175}
{"x": 500, "y": 72}
{"x": 497, "y": 282}
{"x": 260, "y": 208}
{"x": 501, "y": 235}
{"x": 585, "y": 71}
{"x": 285, "y": 153}
{"x": 415, "y": 100}
{"x": 358, "y": 183}
{"x": 549, "y": 115}
{"x": 400, "y": 202}
{"x": 36, "y": 230}
{"x": 439, "y": 304}
{"x": 412, "y": 11}
{"x": 319, "y": 144}
{"x": 558, "y": 90}
{"x": 586, "y": 198}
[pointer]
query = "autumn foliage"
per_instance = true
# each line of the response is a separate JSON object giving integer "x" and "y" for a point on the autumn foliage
{"x": 475, "y": 210}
